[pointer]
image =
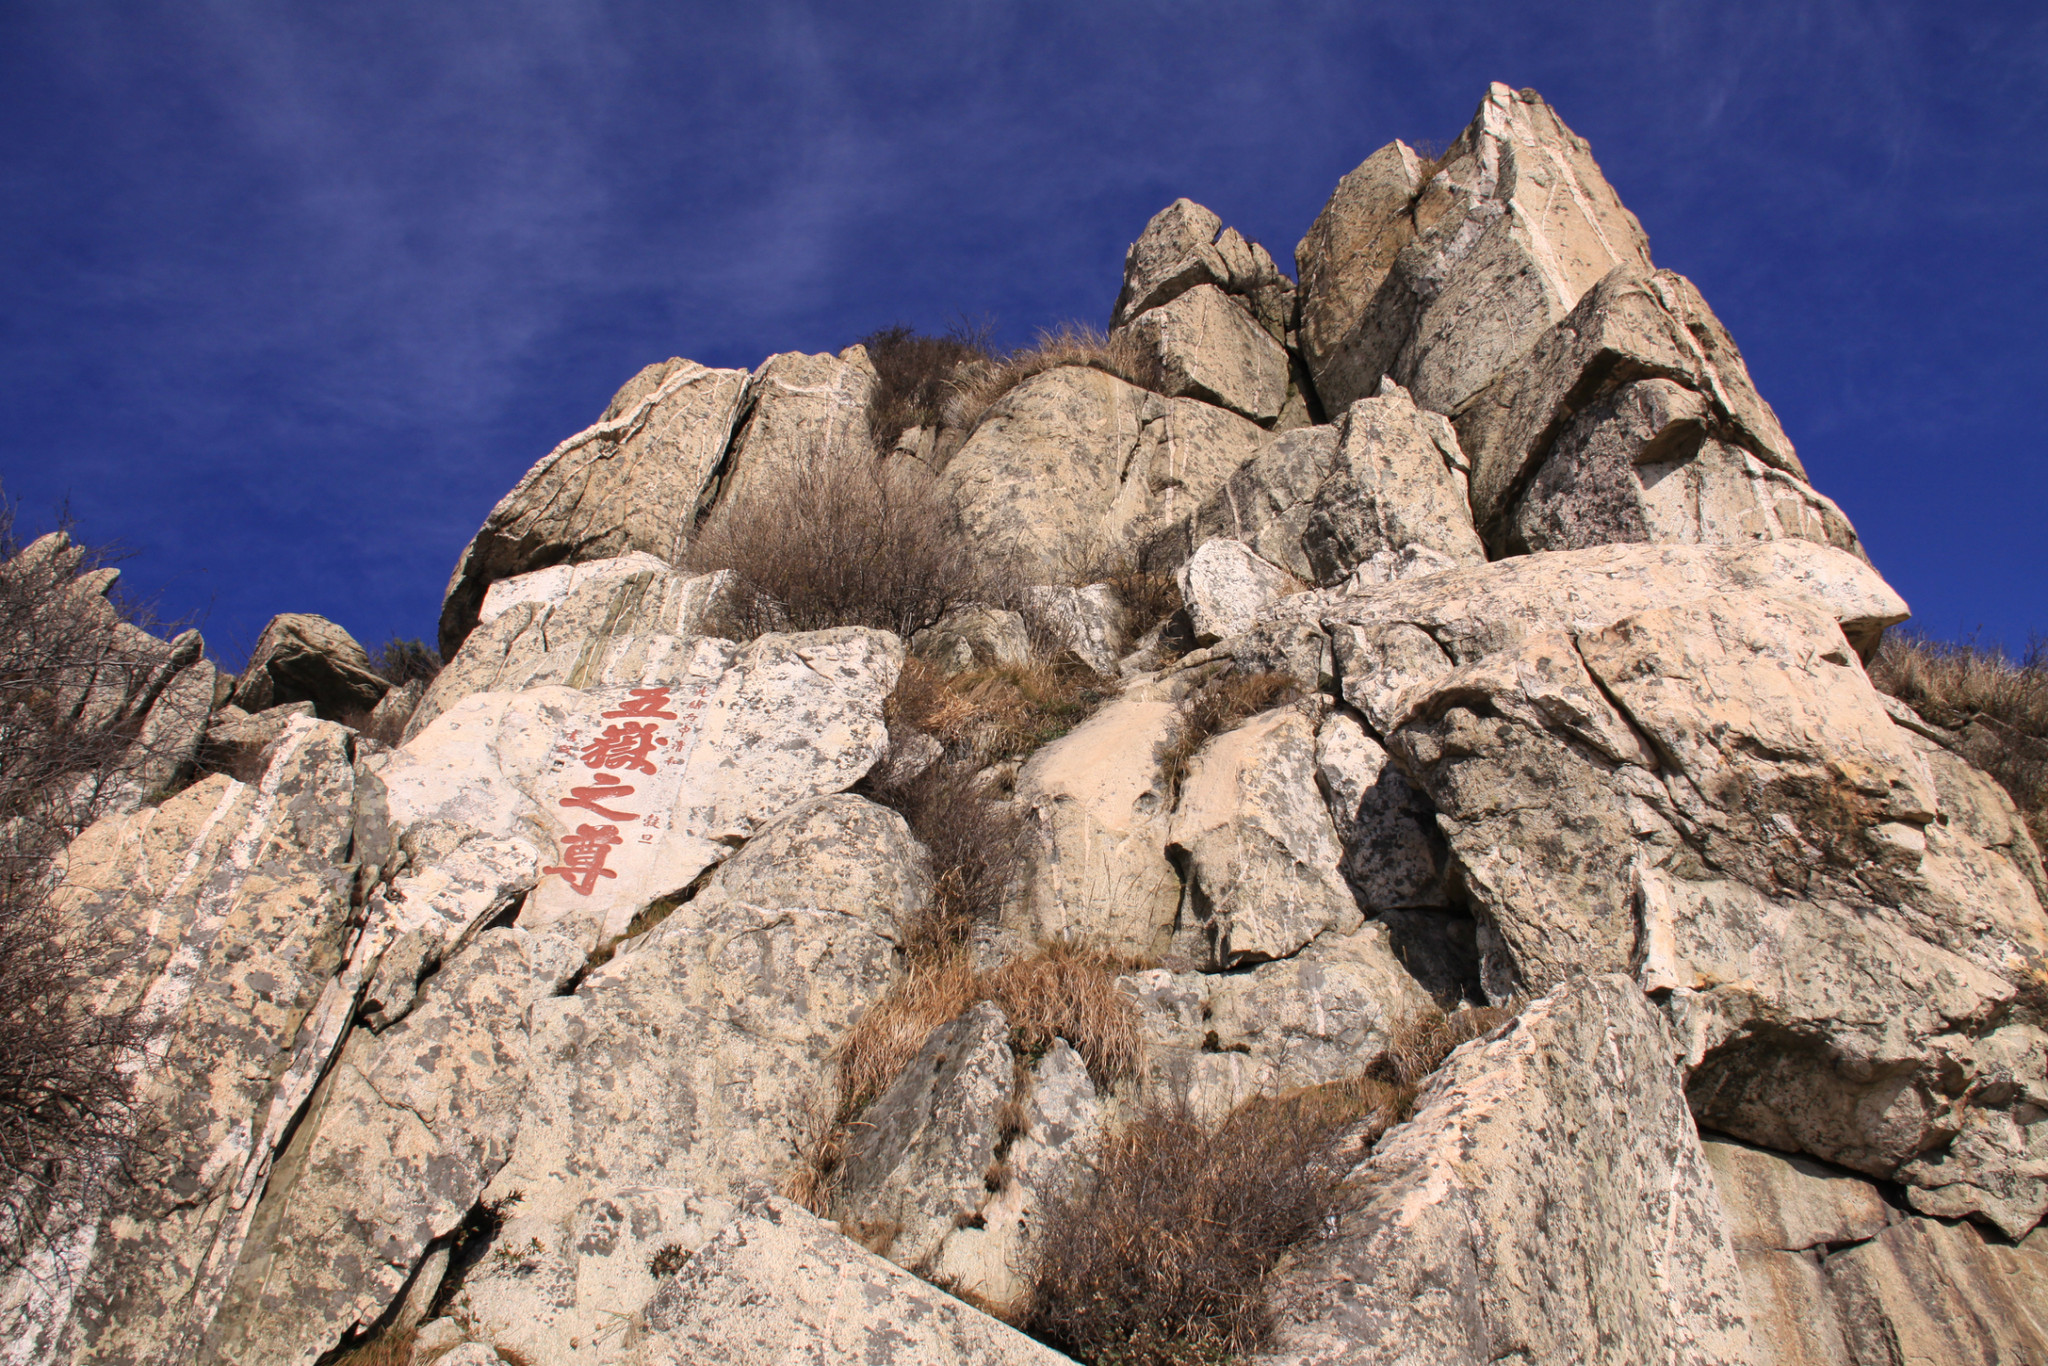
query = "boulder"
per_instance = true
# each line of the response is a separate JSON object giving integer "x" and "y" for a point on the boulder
{"x": 1573, "y": 398}
{"x": 1053, "y": 1135}
{"x": 1618, "y": 1254}
{"x": 1075, "y": 465}
{"x": 1394, "y": 504}
{"x": 1265, "y": 504}
{"x": 974, "y": 637}
{"x": 1226, "y": 585}
{"x": 637, "y": 480}
{"x": 1207, "y": 347}
{"x": 227, "y": 911}
{"x": 1215, "y": 1040}
{"x": 1087, "y": 621}
{"x": 1668, "y": 760}
{"x": 805, "y": 411}
{"x": 1639, "y": 464}
{"x": 1186, "y": 247}
{"x": 632, "y": 621}
{"x": 1394, "y": 856}
{"x": 776, "y": 1286}
{"x": 632, "y": 792}
{"x": 917, "y": 1165}
{"x": 1096, "y": 806}
{"x": 1253, "y": 837}
{"x": 304, "y": 658}
{"x": 1442, "y": 275}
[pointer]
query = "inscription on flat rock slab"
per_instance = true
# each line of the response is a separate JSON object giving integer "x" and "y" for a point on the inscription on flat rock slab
{"x": 631, "y": 792}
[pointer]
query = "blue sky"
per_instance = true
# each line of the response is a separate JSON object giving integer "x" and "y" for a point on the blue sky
{"x": 290, "y": 294}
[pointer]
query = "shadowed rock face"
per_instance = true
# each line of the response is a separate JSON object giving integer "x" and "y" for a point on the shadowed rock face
{"x": 508, "y": 1035}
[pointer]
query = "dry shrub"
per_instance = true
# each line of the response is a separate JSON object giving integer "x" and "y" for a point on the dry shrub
{"x": 1003, "y": 711}
{"x": 980, "y": 386}
{"x": 1063, "y": 991}
{"x": 1147, "y": 597}
{"x": 917, "y": 375}
{"x": 1997, "y": 707}
{"x": 74, "y": 691}
{"x": 972, "y": 844}
{"x": 845, "y": 539}
{"x": 1162, "y": 1261}
{"x": 402, "y": 661}
{"x": 1214, "y": 708}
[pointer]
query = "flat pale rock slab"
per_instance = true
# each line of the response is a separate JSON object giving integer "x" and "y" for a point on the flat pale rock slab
{"x": 776, "y": 1286}
{"x": 630, "y": 793}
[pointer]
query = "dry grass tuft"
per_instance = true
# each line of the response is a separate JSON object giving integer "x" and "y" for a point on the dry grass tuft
{"x": 1069, "y": 991}
{"x": 1004, "y": 711}
{"x": 1997, "y": 707}
{"x": 1063, "y": 991}
{"x": 981, "y": 386}
{"x": 917, "y": 376}
{"x": 1162, "y": 1261}
{"x": 845, "y": 539}
{"x": 1217, "y": 706}
{"x": 1418, "y": 1045}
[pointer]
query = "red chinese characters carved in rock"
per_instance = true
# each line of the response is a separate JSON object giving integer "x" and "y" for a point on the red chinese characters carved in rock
{"x": 592, "y": 798}
{"x": 644, "y": 702}
{"x": 624, "y": 744}
{"x": 584, "y": 854}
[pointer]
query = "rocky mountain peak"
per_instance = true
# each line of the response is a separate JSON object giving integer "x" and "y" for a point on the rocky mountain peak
{"x": 1345, "y": 820}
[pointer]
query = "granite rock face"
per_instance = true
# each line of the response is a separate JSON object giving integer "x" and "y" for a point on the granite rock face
{"x": 1075, "y": 465}
{"x": 1440, "y": 276}
{"x": 508, "y": 1035}
{"x": 1619, "y": 1253}
{"x": 637, "y": 480}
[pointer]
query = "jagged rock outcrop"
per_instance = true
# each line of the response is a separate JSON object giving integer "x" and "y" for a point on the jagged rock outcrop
{"x": 637, "y": 480}
{"x": 1441, "y": 275}
{"x": 509, "y": 1034}
{"x": 230, "y": 906}
{"x": 1074, "y": 466}
{"x": 304, "y": 658}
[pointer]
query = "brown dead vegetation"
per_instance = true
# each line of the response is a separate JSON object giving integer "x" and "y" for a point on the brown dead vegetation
{"x": 1163, "y": 1261}
{"x": 1063, "y": 991}
{"x": 73, "y": 694}
{"x": 846, "y": 539}
{"x": 1993, "y": 707}
{"x": 981, "y": 386}
{"x": 916, "y": 376}
{"x": 1002, "y": 711}
{"x": 1214, "y": 708}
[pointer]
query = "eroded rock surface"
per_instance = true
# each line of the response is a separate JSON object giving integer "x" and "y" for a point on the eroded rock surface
{"x": 1618, "y": 1254}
